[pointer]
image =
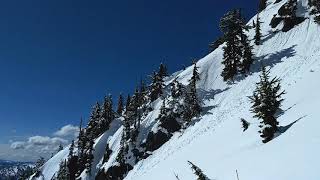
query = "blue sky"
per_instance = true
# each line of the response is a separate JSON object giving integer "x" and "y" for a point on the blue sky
{"x": 57, "y": 58}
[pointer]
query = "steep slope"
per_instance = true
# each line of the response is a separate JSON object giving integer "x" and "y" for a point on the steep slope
{"x": 215, "y": 142}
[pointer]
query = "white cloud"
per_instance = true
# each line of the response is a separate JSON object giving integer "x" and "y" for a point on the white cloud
{"x": 18, "y": 145}
{"x": 68, "y": 131}
{"x": 35, "y": 146}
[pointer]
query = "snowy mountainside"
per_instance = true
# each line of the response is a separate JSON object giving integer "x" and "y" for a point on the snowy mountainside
{"x": 11, "y": 169}
{"x": 215, "y": 141}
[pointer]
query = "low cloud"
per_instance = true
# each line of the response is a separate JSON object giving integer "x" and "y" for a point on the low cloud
{"x": 68, "y": 131}
{"x": 45, "y": 145}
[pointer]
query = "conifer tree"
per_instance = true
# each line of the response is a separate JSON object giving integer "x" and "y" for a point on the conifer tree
{"x": 107, "y": 154}
{"x": 71, "y": 150}
{"x": 163, "y": 71}
{"x": 176, "y": 88}
{"x": 231, "y": 25}
{"x": 72, "y": 162}
{"x": 60, "y": 148}
{"x": 266, "y": 101}
{"x": 63, "y": 173}
{"x": 82, "y": 141}
{"x": 257, "y": 37}
{"x": 107, "y": 114}
{"x": 89, "y": 155}
{"x": 128, "y": 101}
{"x": 262, "y": 5}
{"x": 247, "y": 56}
{"x": 120, "y": 105}
{"x": 198, "y": 172}
{"x": 192, "y": 107}
{"x": 156, "y": 87}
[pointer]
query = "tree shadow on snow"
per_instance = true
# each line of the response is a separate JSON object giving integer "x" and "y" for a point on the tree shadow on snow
{"x": 209, "y": 95}
{"x": 268, "y": 36}
{"x": 281, "y": 111}
{"x": 283, "y": 129}
{"x": 273, "y": 59}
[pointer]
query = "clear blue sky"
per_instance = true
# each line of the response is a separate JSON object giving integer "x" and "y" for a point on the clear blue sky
{"x": 58, "y": 57}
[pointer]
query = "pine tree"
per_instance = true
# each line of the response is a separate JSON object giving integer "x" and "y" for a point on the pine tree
{"x": 176, "y": 88}
{"x": 107, "y": 154}
{"x": 82, "y": 141}
{"x": 192, "y": 107}
{"x": 156, "y": 87}
{"x": 128, "y": 101}
{"x": 245, "y": 124}
{"x": 94, "y": 121}
{"x": 120, "y": 105}
{"x": 107, "y": 114}
{"x": 266, "y": 101}
{"x": 247, "y": 56}
{"x": 89, "y": 155}
{"x": 63, "y": 173}
{"x": 72, "y": 162}
{"x": 257, "y": 37}
{"x": 262, "y": 5}
{"x": 71, "y": 150}
{"x": 38, "y": 165}
{"x": 231, "y": 25}
{"x": 163, "y": 71}
{"x": 198, "y": 172}
{"x": 60, "y": 148}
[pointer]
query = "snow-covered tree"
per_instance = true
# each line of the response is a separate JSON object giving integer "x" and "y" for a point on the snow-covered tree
{"x": 163, "y": 71}
{"x": 231, "y": 25}
{"x": 192, "y": 107}
{"x": 266, "y": 101}
{"x": 107, "y": 154}
{"x": 63, "y": 173}
{"x": 156, "y": 87}
{"x": 247, "y": 55}
{"x": 198, "y": 172}
{"x": 257, "y": 36}
{"x": 89, "y": 155}
{"x": 120, "y": 105}
{"x": 107, "y": 115}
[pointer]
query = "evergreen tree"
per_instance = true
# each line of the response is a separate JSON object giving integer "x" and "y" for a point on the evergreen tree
{"x": 72, "y": 162}
{"x": 163, "y": 71}
{"x": 198, "y": 172}
{"x": 120, "y": 105}
{"x": 247, "y": 56}
{"x": 245, "y": 124}
{"x": 38, "y": 165}
{"x": 257, "y": 37}
{"x": 60, "y": 148}
{"x": 266, "y": 101}
{"x": 192, "y": 106}
{"x": 262, "y": 5}
{"x": 107, "y": 154}
{"x": 92, "y": 129}
{"x": 82, "y": 141}
{"x": 63, "y": 173}
{"x": 71, "y": 150}
{"x": 231, "y": 25}
{"x": 128, "y": 101}
{"x": 176, "y": 88}
{"x": 156, "y": 87}
{"x": 107, "y": 115}
{"x": 89, "y": 155}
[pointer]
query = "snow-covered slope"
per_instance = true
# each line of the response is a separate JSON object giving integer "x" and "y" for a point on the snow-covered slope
{"x": 216, "y": 142}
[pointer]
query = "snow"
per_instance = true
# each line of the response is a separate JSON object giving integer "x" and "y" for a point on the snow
{"x": 216, "y": 142}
